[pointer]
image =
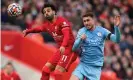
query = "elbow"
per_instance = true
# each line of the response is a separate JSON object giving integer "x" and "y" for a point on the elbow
{"x": 73, "y": 49}
{"x": 75, "y": 46}
{"x": 117, "y": 41}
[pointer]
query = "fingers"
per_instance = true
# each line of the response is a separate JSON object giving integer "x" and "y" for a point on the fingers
{"x": 62, "y": 50}
{"x": 24, "y": 32}
{"x": 24, "y": 35}
{"x": 83, "y": 36}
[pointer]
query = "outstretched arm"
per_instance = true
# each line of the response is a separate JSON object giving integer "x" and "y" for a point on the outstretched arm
{"x": 117, "y": 35}
{"x": 32, "y": 30}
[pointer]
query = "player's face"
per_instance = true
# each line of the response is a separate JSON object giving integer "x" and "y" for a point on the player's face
{"x": 9, "y": 69}
{"x": 48, "y": 13}
{"x": 88, "y": 22}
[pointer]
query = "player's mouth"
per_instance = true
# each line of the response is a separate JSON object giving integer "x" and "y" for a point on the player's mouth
{"x": 48, "y": 17}
{"x": 89, "y": 26}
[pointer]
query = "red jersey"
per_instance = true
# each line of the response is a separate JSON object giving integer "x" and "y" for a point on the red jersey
{"x": 12, "y": 76}
{"x": 60, "y": 30}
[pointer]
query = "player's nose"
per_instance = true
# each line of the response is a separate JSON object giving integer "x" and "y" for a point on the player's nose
{"x": 86, "y": 23}
{"x": 46, "y": 14}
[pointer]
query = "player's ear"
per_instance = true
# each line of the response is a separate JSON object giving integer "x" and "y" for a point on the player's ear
{"x": 54, "y": 12}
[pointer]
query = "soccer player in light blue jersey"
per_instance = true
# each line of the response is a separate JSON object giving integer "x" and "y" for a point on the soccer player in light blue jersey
{"x": 91, "y": 39}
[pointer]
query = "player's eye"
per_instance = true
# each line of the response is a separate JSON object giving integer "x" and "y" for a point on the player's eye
{"x": 84, "y": 21}
{"x": 44, "y": 12}
{"x": 48, "y": 10}
{"x": 87, "y": 20}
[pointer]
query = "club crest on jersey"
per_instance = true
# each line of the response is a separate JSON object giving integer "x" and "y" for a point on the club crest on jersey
{"x": 65, "y": 24}
{"x": 99, "y": 34}
{"x": 55, "y": 28}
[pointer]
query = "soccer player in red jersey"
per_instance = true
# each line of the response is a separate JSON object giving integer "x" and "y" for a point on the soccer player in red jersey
{"x": 8, "y": 73}
{"x": 60, "y": 29}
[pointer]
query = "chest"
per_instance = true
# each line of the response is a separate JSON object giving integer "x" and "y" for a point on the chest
{"x": 8, "y": 77}
{"x": 54, "y": 29}
{"x": 94, "y": 38}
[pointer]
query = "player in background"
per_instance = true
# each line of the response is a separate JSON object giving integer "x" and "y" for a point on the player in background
{"x": 8, "y": 72}
{"x": 91, "y": 39}
{"x": 60, "y": 29}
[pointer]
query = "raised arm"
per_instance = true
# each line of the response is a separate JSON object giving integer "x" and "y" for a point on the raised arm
{"x": 117, "y": 35}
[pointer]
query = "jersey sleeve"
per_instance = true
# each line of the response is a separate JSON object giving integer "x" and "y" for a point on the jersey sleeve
{"x": 79, "y": 34}
{"x": 36, "y": 29}
{"x": 77, "y": 41}
{"x": 65, "y": 28}
{"x": 64, "y": 24}
{"x": 106, "y": 33}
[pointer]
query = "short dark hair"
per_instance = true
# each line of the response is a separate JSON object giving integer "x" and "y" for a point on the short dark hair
{"x": 9, "y": 63}
{"x": 49, "y": 5}
{"x": 89, "y": 14}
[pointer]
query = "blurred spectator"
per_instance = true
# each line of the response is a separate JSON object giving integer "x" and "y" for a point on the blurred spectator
{"x": 4, "y": 17}
{"x": 9, "y": 73}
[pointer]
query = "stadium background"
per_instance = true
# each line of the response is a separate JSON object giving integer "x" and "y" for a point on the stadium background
{"x": 29, "y": 54}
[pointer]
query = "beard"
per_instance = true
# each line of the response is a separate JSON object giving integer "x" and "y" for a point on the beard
{"x": 90, "y": 27}
{"x": 50, "y": 18}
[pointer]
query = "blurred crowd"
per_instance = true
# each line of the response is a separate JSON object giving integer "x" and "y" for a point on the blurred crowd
{"x": 118, "y": 57}
{"x": 8, "y": 72}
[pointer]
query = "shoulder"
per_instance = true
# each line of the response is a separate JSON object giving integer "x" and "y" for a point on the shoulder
{"x": 2, "y": 72}
{"x": 63, "y": 22}
{"x": 104, "y": 31}
{"x": 60, "y": 18}
{"x": 82, "y": 29}
{"x": 15, "y": 73}
{"x": 101, "y": 28}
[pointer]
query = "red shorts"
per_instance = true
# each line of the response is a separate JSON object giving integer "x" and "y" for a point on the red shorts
{"x": 64, "y": 60}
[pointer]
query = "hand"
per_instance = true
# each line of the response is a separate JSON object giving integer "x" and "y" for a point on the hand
{"x": 62, "y": 49}
{"x": 83, "y": 36}
{"x": 25, "y": 32}
{"x": 117, "y": 20}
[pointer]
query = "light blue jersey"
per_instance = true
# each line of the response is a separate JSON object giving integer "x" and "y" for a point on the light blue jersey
{"x": 93, "y": 46}
{"x": 92, "y": 54}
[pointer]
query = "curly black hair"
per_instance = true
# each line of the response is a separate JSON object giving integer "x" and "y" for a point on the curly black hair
{"x": 49, "y": 5}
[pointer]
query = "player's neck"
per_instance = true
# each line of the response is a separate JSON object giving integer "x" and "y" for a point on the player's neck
{"x": 53, "y": 20}
{"x": 6, "y": 72}
{"x": 92, "y": 28}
